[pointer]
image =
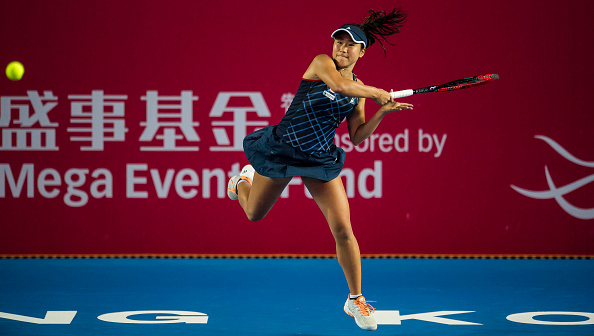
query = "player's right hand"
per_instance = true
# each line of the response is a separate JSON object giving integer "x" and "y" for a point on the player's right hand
{"x": 384, "y": 97}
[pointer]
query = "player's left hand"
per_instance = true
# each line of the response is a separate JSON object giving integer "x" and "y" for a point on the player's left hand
{"x": 396, "y": 106}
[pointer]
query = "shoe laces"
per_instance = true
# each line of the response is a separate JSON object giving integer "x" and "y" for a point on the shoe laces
{"x": 364, "y": 307}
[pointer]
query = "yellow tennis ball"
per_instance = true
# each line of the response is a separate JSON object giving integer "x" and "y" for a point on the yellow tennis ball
{"x": 15, "y": 71}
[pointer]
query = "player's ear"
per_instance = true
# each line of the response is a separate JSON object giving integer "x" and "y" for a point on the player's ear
{"x": 362, "y": 52}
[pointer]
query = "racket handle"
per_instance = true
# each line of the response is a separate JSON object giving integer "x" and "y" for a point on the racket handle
{"x": 402, "y": 93}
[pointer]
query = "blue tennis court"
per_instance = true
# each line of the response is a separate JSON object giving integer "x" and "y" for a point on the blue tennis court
{"x": 138, "y": 296}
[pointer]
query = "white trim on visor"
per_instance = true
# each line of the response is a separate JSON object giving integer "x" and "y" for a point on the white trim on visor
{"x": 352, "y": 36}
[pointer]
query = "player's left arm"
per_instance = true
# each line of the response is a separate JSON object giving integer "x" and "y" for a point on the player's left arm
{"x": 359, "y": 129}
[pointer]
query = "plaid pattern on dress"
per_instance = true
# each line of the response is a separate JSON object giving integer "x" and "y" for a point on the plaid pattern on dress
{"x": 314, "y": 115}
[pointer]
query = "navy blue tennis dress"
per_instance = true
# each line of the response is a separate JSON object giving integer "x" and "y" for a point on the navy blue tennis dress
{"x": 302, "y": 144}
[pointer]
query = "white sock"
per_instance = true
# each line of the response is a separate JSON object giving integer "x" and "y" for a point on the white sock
{"x": 355, "y": 296}
{"x": 237, "y": 187}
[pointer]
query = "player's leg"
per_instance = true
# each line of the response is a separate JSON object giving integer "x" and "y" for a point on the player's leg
{"x": 257, "y": 198}
{"x": 332, "y": 200}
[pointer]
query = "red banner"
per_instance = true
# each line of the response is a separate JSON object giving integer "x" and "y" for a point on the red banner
{"x": 129, "y": 119}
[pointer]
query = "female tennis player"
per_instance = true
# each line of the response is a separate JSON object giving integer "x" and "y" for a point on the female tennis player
{"x": 302, "y": 144}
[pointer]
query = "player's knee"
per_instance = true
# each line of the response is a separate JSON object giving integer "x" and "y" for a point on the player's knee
{"x": 342, "y": 232}
{"x": 254, "y": 216}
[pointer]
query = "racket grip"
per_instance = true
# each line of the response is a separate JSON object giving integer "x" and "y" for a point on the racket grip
{"x": 402, "y": 93}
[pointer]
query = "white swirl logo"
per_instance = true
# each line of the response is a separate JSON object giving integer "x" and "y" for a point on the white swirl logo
{"x": 558, "y": 192}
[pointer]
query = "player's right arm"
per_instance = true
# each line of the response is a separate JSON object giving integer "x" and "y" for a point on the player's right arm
{"x": 322, "y": 67}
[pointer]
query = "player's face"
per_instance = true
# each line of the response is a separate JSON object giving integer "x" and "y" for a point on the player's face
{"x": 345, "y": 51}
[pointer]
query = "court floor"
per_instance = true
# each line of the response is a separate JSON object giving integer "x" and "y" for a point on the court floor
{"x": 119, "y": 296}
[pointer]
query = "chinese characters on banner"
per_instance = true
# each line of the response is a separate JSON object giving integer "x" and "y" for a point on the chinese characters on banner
{"x": 98, "y": 118}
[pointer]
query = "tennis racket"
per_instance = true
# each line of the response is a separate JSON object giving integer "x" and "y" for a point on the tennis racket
{"x": 449, "y": 86}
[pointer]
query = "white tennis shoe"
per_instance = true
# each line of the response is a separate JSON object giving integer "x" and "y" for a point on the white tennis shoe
{"x": 247, "y": 174}
{"x": 362, "y": 311}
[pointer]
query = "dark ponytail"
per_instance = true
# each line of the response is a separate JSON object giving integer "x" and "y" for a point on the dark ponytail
{"x": 379, "y": 25}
